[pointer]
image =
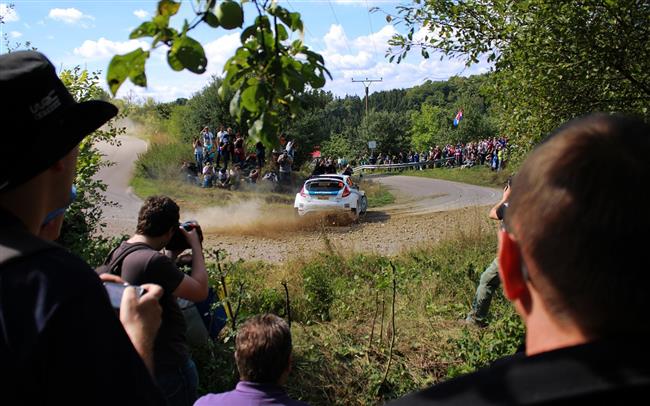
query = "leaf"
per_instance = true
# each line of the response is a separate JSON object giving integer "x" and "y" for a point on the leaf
{"x": 249, "y": 98}
{"x": 230, "y": 14}
{"x": 188, "y": 53}
{"x": 248, "y": 32}
{"x": 257, "y": 127}
{"x": 234, "y": 109}
{"x": 211, "y": 19}
{"x": 146, "y": 29}
{"x": 168, "y": 7}
{"x": 129, "y": 65}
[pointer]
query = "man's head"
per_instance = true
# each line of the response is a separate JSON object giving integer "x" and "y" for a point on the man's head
{"x": 576, "y": 225}
{"x": 263, "y": 349}
{"x": 36, "y": 103}
{"x": 158, "y": 216}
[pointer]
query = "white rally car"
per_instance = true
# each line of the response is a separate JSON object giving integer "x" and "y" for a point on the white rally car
{"x": 331, "y": 193}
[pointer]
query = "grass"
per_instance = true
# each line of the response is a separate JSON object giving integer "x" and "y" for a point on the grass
{"x": 476, "y": 175}
{"x": 336, "y": 306}
{"x": 378, "y": 194}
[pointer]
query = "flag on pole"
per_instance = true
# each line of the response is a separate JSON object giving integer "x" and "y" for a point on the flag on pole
{"x": 459, "y": 116}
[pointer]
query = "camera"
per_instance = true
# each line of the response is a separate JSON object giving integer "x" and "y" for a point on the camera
{"x": 178, "y": 241}
{"x": 116, "y": 290}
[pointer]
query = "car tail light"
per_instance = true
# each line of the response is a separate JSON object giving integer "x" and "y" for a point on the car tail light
{"x": 302, "y": 192}
{"x": 346, "y": 192}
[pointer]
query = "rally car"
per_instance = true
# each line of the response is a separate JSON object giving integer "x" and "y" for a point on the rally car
{"x": 331, "y": 193}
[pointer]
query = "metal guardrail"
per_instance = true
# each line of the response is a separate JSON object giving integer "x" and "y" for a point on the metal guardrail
{"x": 403, "y": 165}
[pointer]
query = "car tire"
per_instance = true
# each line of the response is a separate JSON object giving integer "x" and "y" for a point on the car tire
{"x": 364, "y": 205}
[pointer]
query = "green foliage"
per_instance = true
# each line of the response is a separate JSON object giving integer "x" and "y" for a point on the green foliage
{"x": 553, "y": 60}
{"x": 163, "y": 161}
{"x": 319, "y": 291}
{"x": 338, "y": 146}
{"x": 82, "y": 227}
{"x": 263, "y": 79}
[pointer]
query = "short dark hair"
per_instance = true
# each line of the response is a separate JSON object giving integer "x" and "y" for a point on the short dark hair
{"x": 577, "y": 211}
{"x": 263, "y": 347}
{"x": 157, "y": 216}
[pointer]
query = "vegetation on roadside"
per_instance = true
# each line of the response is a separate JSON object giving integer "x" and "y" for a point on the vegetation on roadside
{"x": 476, "y": 175}
{"x": 83, "y": 222}
{"x": 342, "y": 324}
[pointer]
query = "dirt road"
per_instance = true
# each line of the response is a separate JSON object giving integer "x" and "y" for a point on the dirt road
{"x": 425, "y": 210}
{"x": 122, "y": 219}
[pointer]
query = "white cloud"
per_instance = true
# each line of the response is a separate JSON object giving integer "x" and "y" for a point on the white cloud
{"x": 69, "y": 15}
{"x": 141, "y": 14}
{"x": 219, "y": 50}
{"x": 335, "y": 39}
{"x": 361, "y": 60}
{"x": 15, "y": 34}
{"x": 377, "y": 41}
{"x": 9, "y": 15}
{"x": 103, "y": 48}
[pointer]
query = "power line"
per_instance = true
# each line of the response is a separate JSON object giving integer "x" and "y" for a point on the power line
{"x": 345, "y": 39}
{"x": 372, "y": 31}
{"x": 366, "y": 83}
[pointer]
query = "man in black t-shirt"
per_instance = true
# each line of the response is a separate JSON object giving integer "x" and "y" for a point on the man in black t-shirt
{"x": 60, "y": 340}
{"x": 157, "y": 223}
{"x": 571, "y": 261}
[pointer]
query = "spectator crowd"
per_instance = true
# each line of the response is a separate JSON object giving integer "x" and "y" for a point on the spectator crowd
{"x": 570, "y": 260}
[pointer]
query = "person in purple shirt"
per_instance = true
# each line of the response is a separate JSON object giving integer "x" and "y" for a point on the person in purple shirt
{"x": 263, "y": 356}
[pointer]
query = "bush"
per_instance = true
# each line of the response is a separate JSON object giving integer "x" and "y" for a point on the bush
{"x": 319, "y": 291}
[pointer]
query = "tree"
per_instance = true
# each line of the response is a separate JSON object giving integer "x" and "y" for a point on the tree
{"x": 552, "y": 60}
{"x": 265, "y": 76}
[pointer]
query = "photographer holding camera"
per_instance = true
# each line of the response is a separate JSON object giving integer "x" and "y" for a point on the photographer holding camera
{"x": 158, "y": 227}
{"x": 489, "y": 281}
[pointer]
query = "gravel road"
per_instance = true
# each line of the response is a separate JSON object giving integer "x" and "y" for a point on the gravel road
{"x": 425, "y": 210}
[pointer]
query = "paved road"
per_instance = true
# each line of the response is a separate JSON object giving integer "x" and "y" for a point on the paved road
{"x": 122, "y": 219}
{"x": 417, "y": 195}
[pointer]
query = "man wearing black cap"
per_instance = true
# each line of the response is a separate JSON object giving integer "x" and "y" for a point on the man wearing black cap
{"x": 60, "y": 341}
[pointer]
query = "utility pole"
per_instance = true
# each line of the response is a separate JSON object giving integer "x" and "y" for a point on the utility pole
{"x": 366, "y": 83}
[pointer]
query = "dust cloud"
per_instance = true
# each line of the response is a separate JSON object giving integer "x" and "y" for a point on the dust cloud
{"x": 254, "y": 218}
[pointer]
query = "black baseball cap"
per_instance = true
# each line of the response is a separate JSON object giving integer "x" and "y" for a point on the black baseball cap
{"x": 41, "y": 121}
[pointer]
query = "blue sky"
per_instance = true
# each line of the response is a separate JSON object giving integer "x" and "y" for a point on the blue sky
{"x": 352, "y": 40}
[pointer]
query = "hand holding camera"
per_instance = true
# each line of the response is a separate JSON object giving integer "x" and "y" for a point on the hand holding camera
{"x": 189, "y": 235}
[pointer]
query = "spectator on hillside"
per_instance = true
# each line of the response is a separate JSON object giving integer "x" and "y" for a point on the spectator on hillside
{"x": 260, "y": 154}
{"x": 284, "y": 162}
{"x": 347, "y": 171}
{"x": 223, "y": 178}
{"x": 220, "y": 134}
{"x": 254, "y": 175}
{"x": 198, "y": 152}
{"x": 189, "y": 172}
{"x": 207, "y": 135}
{"x": 571, "y": 260}
{"x": 209, "y": 151}
{"x": 234, "y": 176}
{"x": 239, "y": 153}
{"x": 158, "y": 222}
{"x": 61, "y": 341}
{"x": 208, "y": 175}
{"x": 263, "y": 357}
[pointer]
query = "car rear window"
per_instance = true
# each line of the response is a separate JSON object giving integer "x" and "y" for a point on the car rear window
{"x": 324, "y": 186}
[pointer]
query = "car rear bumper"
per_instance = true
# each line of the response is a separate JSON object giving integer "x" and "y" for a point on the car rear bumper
{"x": 312, "y": 206}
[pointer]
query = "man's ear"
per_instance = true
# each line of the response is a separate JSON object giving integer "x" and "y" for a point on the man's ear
{"x": 510, "y": 267}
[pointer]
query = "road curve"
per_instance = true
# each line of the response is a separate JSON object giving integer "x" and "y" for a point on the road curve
{"x": 121, "y": 219}
{"x": 416, "y": 195}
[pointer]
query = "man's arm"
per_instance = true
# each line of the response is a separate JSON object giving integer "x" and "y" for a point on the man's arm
{"x": 141, "y": 318}
{"x": 493, "y": 211}
{"x": 194, "y": 286}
